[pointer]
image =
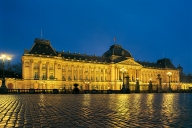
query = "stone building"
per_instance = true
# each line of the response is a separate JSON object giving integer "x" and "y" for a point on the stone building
{"x": 45, "y": 68}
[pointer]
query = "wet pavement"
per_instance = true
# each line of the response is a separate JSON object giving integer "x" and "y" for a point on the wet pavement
{"x": 96, "y": 110}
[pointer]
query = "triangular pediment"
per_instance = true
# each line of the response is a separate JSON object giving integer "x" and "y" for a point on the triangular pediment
{"x": 129, "y": 62}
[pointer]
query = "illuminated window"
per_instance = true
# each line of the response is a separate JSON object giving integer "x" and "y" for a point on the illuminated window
{"x": 44, "y": 76}
{"x": 51, "y": 76}
{"x": 35, "y": 66}
{"x": 43, "y": 66}
{"x": 69, "y": 77}
{"x": 51, "y": 67}
{"x": 63, "y": 78}
{"x": 36, "y": 75}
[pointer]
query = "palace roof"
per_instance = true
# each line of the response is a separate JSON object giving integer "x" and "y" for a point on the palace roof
{"x": 161, "y": 63}
{"x": 117, "y": 50}
{"x": 42, "y": 47}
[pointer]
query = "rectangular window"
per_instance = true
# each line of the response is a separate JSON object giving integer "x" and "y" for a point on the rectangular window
{"x": 63, "y": 78}
{"x": 44, "y": 76}
{"x": 51, "y": 67}
{"x": 69, "y": 77}
{"x": 51, "y": 76}
{"x": 35, "y": 66}
{"x": 63, "y": 68}
{"x": 36, "y": 75}
{"x": 43, "y": 66}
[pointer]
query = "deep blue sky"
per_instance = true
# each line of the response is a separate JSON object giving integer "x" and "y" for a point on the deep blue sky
{"x": 148, "y": 29}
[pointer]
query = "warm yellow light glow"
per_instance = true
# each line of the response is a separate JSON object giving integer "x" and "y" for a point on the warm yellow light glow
{"x": 3, "y": 55}
{"x": 8, "y": 58}
{"x": 169, "y": 73}
{"x": 123, "y": 70}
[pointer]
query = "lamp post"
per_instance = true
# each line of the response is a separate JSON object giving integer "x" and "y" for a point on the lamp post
{"x": 150, "y": 86}
{"x": 4, "y": 57}
{"x": 169, "y": 75}
{"x": 123, "y": 70}
{"x": 137, "y": 86}
{"x": 159, "y": 84}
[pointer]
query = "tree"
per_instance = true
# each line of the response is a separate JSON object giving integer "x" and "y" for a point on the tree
{"x": 11, "y": 70}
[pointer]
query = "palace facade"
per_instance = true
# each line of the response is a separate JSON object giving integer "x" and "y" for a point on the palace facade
{"x": 45, "y": 68}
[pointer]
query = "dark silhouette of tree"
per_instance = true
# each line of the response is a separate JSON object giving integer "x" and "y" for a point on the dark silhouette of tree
{"x": 11, "y": 70}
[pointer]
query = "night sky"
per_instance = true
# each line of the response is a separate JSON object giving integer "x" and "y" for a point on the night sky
{"x": 148, "y": 29}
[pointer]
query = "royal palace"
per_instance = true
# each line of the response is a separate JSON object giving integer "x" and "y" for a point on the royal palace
{"x": 45, "y": 68}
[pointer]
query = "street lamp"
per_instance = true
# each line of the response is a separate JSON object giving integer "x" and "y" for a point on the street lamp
{"x": 123, "y": 70}
{"x": 137, "y": 86}
{"x": 150, "y": 86}
{"x": 169, "y": 75}
{"x": 4, "y": 58}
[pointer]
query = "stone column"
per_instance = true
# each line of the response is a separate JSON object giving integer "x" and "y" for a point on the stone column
{"x": 55, "y": 70}
{"x": 31, "y": 68}
{"x": 78, "y": 74}
{"x": 94, "y": 73}
{"x": 104, "y": 75}
{"x": 40, "y": 70}
{"x": 117, "y": 73}
{"x": 83, "y": 73}
{"x": 72, "y": 74}
{"x": 66, "y": 71}
{"x": 48, "y": 70}
{"x": 89, "y": 70}
{"x": 112, "y": 72}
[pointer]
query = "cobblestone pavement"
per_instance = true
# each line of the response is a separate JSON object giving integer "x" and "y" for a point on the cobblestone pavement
{"x": 96, "y": 110}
